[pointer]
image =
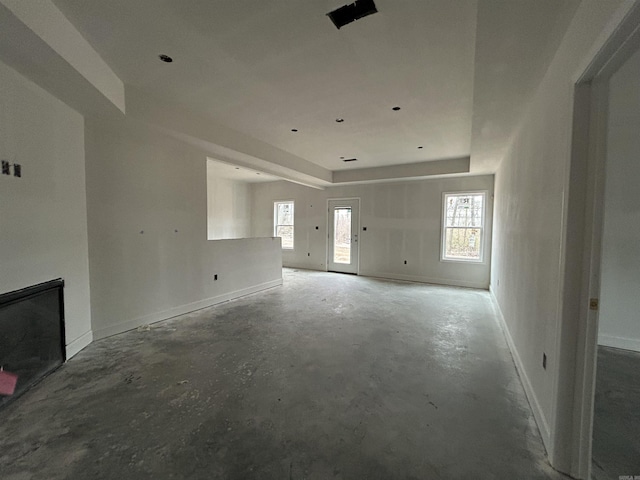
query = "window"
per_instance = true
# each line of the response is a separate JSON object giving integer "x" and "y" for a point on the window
{"x": 463, "y": 226}
{"x": 283, "y": 223}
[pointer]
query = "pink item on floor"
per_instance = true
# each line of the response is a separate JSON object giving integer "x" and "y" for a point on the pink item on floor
{"x": 7, "y": 382}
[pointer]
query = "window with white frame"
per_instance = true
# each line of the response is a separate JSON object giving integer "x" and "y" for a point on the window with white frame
{"x": 283, "y": 223}
{"x": 463, "y": 226}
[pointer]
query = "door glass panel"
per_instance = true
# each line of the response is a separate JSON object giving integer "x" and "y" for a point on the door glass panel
{"x": 342, "y": 235}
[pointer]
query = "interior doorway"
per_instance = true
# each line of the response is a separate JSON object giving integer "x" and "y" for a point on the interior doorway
{"x": 616, "y": 443}
{"x": 586, "y": 300}
{"x": 344, "y": 221}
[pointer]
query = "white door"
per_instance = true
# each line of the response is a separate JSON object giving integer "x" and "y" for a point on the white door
{"x": 344, "y": 221}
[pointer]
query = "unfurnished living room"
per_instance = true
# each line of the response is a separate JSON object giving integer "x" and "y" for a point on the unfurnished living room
{"x": 319, "y": 239}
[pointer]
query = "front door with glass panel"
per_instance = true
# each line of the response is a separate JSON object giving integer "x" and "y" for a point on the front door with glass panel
{"x": 343, "y": 235}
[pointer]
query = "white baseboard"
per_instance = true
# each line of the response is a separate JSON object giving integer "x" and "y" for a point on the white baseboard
{"x": 422, "y": 279}
{"x": 181, "y": 310}
{"x": 632, "y": 344}
{"x": 78, "y": 344}
{"x": 538, "y": 414}
{"x": 304, "y": 266}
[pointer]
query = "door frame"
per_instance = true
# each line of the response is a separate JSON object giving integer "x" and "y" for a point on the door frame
{"x": 577, "y": 343}
{"x": 327, "y": 248}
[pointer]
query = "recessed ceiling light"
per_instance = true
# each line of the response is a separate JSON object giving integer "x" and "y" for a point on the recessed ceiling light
{"x": 257, "y": 173}
{"x": 395, "y": 109}
{"x": 237, "y": 168}
{"x": 419, "y": 147}
{"x": 165, "y": 58}
{"x": 339, "y": 120}
{"x": 294, "y": 130}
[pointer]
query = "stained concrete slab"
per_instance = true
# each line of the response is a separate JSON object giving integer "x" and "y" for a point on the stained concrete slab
{"x": 616, "y": 420}
{"x": 330, "y": 376}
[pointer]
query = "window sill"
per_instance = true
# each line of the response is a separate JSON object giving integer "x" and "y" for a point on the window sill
{"x": 460, "y": 260}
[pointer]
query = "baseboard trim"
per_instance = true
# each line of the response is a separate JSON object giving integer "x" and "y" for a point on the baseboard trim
{"x": 539, "y": 416}
{"x": 421, "y": 279}
{"x": 182, "y": 310}
{"x": 303, "y": 266}
{"x": 78, "y": 344}
{"x": 632, "y": 344}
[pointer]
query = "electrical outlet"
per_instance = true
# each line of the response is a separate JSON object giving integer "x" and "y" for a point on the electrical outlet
{"x": 308, "y": 254}
{"x": 215, "y": 277}
{"x": 6, "y": 168}
{"x": 405, "y": 262}
{"x": 544, "y": 361}
{"x": 17, "y": 170}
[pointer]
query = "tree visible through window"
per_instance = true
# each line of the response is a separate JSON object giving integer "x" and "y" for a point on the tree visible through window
{"x": 283, "y": 223}
{"x": 342, "y": 235}
{"x": 463, "y": 226}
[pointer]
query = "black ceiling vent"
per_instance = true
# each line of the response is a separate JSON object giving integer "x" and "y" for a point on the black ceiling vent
{"x": 352, "y": 12}
{"x": 350, "y": 160}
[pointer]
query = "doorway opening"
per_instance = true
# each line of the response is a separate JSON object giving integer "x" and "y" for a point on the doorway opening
{"x": 616, "y": 423}
{"x": 344, "y": 220}
{"x": 585, "y": 266}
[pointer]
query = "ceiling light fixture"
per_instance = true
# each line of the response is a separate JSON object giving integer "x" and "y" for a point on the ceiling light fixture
{"x": 395, "y": 109}
{"x": 294, "y": 130}
{"x": 339, "y": 120}
{"x": 237, "y": 168}
{"x": 165, "y": 58}
{"x": 419, "y": 147}
{"x": 341, "y": 158}
{"x": 350, "y": 160}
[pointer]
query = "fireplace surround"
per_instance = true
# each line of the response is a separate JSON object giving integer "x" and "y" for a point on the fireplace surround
{"x": 32, "y": 339}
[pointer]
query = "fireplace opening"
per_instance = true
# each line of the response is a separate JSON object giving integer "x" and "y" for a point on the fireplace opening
{"x": 32, "y": 341}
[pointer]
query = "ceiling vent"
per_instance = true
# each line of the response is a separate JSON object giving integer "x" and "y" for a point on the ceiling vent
{"x": 350, "y": 160}
{"x": 350, "y": 13}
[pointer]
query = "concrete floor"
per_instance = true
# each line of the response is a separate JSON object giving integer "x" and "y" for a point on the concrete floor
{"x": 330, "y": 376}
{"x": 616, "y": 422}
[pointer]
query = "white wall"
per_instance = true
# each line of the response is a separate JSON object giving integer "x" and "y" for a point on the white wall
{"x": 620, "y": 272}
{"x": 530, "y": 200}
{"x": 43, "y": 216}
{"x": 149, "y": 254}
{"x": 403, "y": 222}
{"x": 228, "y": 206}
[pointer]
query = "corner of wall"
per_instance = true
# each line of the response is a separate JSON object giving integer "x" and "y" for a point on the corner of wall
{"x": 78, "y": 344}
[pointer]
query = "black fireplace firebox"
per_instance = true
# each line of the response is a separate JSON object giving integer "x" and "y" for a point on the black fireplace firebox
{"x": 32, "y": 342}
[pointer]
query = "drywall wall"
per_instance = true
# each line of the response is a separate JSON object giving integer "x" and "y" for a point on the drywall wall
{"x": 148, "y": 250}
{"x": 228, "y": 206}
{"x": 403, "y": 222}
{"x": 49, "y": 24}
{"x": 620, "y": 271}
{"x": 43, "y": 216}
{"x": 531, "y": 190}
